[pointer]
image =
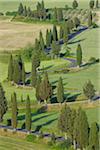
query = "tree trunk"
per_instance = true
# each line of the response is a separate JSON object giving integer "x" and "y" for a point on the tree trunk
{"x": 45, "y": 102}
{"x": 74, "y": 142}
{"x": 66, "y": 136}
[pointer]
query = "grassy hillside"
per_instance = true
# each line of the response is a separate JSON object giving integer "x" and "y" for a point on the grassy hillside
{"x": 7, "y": 143}
{"x": 8, "y": 5}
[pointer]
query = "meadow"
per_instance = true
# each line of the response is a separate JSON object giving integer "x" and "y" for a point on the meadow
{"x": 12, "y": 5}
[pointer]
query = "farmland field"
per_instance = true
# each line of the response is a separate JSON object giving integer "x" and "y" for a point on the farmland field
{"x": 8, "y": 5}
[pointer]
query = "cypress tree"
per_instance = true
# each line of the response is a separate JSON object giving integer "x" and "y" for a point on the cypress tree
{"x": 75, "y": 4}
{"x": 79, "y": 55}
{"x": 55, "y": 34}
{"x": 38, "y": 88}
{"x": 90, "y": 19}
{"x": 35, "y": 64}
{"x": 97, "y": 4}
{"x": 23, "y": 74}
{"x": 3, "y": 103}
{"x": 61, "y": 32}
{"x": 25, "y": 11}
{"x": 45, "y": 91}
{"x": 55, "y": 49}
{"x": 50, "y": 37}
{"x": 94, "y": 137}
{"x": 64, "y": 120}
{"x": 60, "y": 91}
{"x": 29, "y": 12}
{"x": 42, "y": 44}
{"x": 89, "y": 90}
{"x": 65, "y": 35}
{"x": 59, "y": 15}
{"x": 47, "y": 39}
{"x": 10, "y": 69}
{"x": 20, "y": 9}
{"x": 91, "y": 4}
{"x": 16, "y": 73}
{"x": 28, "y": 114}
{"x": 14, "y": 110}
{"x": 55, "y": 14}
{"x": 81, "y": 125}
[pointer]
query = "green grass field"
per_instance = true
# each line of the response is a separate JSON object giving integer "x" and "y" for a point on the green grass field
{"x": 12, "y": 5}
{"x": 7, "y": 143}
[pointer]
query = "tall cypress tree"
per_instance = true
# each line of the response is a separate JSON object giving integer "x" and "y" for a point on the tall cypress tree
{"x": 47, "y": 39}
{"x": 94, "y": 137}
{"x": 14, "y": 110}
{"x": 45, "y": 91}
{"x": 91, "y": 4}
{"x": 55, "y": 49}
{"x": 16, "y": 73}
{"x": 10, "y": 69}
{"x": 97, "y": 4}
{"x": 60, "y": 91}
{"x": 55, "y": 34}
{"x": 42, "y": 44}
{"x": 28, "y": 114}
{"x": 35, "y": 64}
{"x": 38, "y": 88}
{"x": 25, "y": 11}
{"x": 55, "y": 14}
{"x": 59, "y": 15}
{"x": 90, "y": 19}
{"x": 61, "y": 33}
{"x": 20, "y": 9}
{"x": 79, "y": 55}
{"x": 65, "y": 35}
{"x": 23, "y": 74}
{"x": 3, "y": 103}
{"x": 81, "y": 125}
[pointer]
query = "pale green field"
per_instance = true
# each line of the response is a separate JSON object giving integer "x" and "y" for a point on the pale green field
{"x": 7, "y": 143}
{"x": 12, "y": 5}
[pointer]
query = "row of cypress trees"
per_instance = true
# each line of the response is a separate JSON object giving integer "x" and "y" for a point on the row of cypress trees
{"x": 16, "y": 70}
{"x": 75, "y": 126}
{"x": 14, "y": 107}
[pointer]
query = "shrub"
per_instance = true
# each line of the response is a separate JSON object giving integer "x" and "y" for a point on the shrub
{"x": 94, "y": 25}
{"x": 1, "y": 14}
{"x": 13, "y": 13}
{"x": 31, "y": 138}
{"x": 92, "y": 60}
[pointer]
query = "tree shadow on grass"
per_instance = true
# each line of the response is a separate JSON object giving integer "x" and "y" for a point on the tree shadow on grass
{"x": 72, "y": 98}
{"x": 74, "y": 42}
{"x": 44, "y": 124}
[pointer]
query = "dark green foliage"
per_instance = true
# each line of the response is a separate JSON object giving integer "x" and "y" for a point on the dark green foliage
{"x": 66, "y": 31}
{"x": 59, "y": 15}
{"x": 89, "y": 90}
{"x": 29, "y": 12}
{"x": 79, "y": 55}
{"x": 97, "y": 4}
{"x": 94, "y": 137}
{"x": 64, "y": 119}
{"x": 23, "y": 74}
{"x": 91, "y": 4}
{"x": 55, "y": 34}
{"x": 3, "y": 103}
{"x": 41, "y": 11}
{"x": 81, "y": 129}
{"x": 38, "y": 88}
{"x": 20, "y": 9}
{"x": 14, "y": 110}
{"x": 55, "y": 14}
{"x": 10, "y": 69}
{"x": 61, "y": 33}
{"x": 28, "y": 114}
{"x": 25, "y": 11}
{"x": 90, "y": 19}
{"x": 35, "y": 65}
{"x": 60, "y": 91}
{"x": 45, "y": 91}
{"x": 55, "y": 49}
{"x": 75, "y": 4}
{"x": 42, "y": 45}
{"x": 16, "y": 73}
{"x": 47, "y": 39}
{"x": 76, "y": 22}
